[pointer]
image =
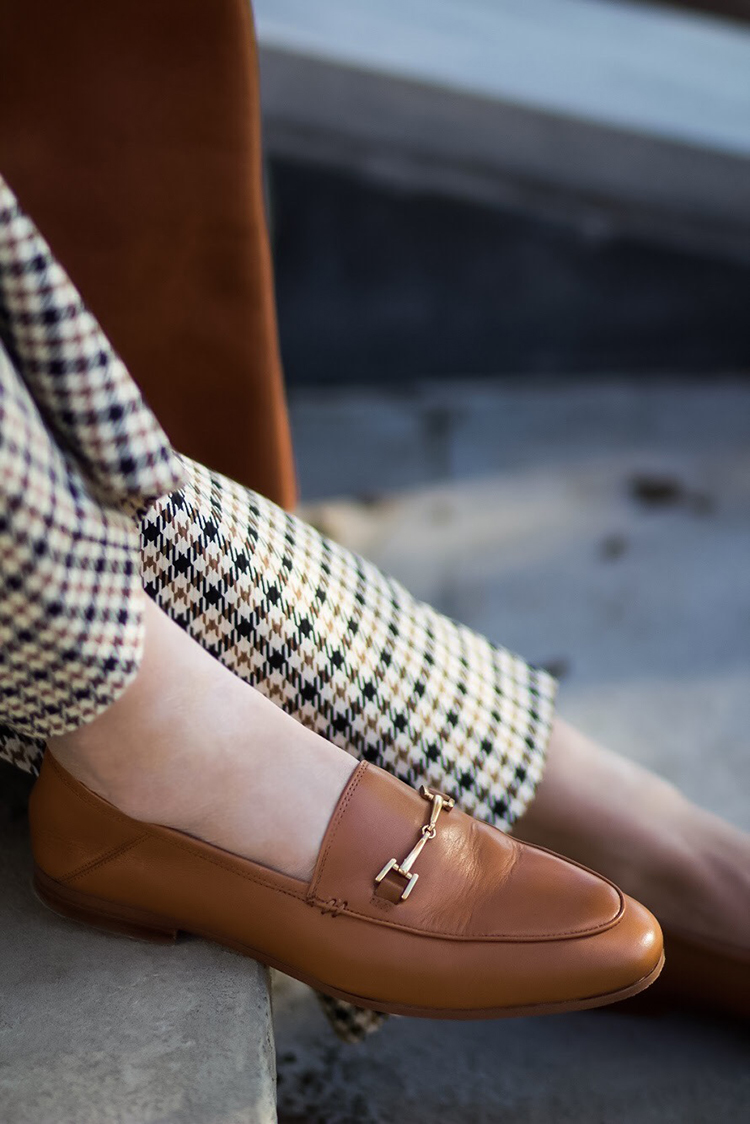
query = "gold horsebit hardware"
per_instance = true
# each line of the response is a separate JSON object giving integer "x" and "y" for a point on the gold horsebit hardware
{"x": 440, "y": 802}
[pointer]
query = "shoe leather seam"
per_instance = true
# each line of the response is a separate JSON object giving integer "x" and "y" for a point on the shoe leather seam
{"x": 115, "y": 853}
{"x": 500, "y": 936}
{"x": 355, "y": 914}
{"x": 57, "y": 839}
{"x": 319, "y": 903}
{"x": 309, "y": 896}
{"x": 249, "y": 876}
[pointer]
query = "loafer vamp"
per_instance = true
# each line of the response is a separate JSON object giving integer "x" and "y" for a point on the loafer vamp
{"x": 473, "y": 882}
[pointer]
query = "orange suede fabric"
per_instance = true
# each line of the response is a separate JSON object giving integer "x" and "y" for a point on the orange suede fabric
{"x": 130, "y": 132}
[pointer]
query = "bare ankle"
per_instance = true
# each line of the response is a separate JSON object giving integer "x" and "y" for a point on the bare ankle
{"x": 190, "y": 746}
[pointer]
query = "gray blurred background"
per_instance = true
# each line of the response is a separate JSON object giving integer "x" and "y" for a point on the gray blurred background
{"x": 512, "y": 244}
{"x": 542, "y": 187}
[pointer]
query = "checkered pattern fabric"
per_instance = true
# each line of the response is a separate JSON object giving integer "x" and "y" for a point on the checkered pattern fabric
{"x": 69, "y": 619}
{"x": 346, "y": 650}
{"x": 77, "y": 445}
{"x": 84, "y": 393}
{"x": 322, "y": 632}
{"x": 349, "y": 653}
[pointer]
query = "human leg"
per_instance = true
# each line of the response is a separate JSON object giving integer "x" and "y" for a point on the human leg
{"x": 191, "y": 746}
{"x": 689, "y": 866}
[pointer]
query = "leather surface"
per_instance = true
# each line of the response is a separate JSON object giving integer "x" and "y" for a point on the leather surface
{"x": 491, "y": 923}
{"x": 473, "y": 880}
{"x": 131, "y": 135}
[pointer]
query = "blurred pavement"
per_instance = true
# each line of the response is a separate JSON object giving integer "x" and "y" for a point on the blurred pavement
{"x": 602, "y": 528}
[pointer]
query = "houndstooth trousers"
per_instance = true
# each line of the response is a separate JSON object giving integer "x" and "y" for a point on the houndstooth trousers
{"x": 95, "y": 504}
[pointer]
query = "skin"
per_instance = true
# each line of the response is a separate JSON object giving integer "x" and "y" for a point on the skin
{"x": 691, "y": 868}
{"x": 191, "y": 746}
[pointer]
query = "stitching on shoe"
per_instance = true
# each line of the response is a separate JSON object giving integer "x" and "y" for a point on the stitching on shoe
{"x": 246, "y": 874}
{"x": 115, "y": 853}
{"x": 168, "y": 835}
{"x": 250, "y": 876}
{"x": 520, "y": 938}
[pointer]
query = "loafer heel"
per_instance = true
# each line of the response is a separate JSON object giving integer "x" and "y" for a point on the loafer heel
{"x": 69, "y": 902}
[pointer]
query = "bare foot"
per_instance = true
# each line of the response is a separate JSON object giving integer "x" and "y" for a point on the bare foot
{"x": 689, "y": 867}
{"x": 191, "y": 746}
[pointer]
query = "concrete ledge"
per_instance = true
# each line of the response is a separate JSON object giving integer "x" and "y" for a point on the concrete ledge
{"x": 550, "y": 103}
{"x": 95, "y": 1029}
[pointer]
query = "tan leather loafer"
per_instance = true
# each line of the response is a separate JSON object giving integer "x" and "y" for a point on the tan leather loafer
{"x": 414, "y": 907}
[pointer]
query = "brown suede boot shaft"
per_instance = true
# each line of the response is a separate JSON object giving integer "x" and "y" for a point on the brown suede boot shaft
{"x": 131, "y": 134}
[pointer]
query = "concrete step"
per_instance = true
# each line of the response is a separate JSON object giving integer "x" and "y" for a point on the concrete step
{"x": 624, "y": 108}
{"x": 96, "y": 1029}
